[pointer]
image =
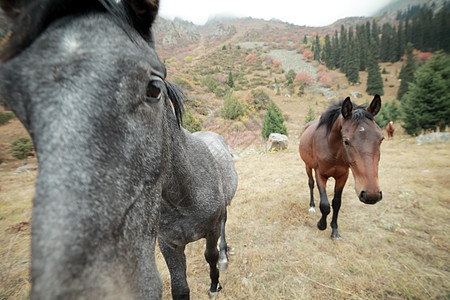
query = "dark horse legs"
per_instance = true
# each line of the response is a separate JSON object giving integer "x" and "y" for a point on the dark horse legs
{"x": 311, "y": 190}
{"x": 325, "y": 204}
{"x": 176, "y": 262}
{"x": 223, "y": 257}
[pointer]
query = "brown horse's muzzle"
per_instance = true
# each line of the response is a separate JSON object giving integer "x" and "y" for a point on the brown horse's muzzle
{"x": 370, "y": 198}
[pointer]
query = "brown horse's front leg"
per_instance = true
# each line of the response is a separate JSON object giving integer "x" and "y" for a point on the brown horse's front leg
{"x": 324, "y": 203}
{"x": 336, "y": 203}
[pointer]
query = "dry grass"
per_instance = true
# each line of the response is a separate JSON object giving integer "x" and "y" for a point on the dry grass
{"x": 397, "y": 249}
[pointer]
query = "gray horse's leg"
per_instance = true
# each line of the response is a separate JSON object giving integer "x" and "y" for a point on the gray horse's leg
{"x": 176, "y": 262}
{"x": 212, "y": 257}
{"x": 223, "y": 257}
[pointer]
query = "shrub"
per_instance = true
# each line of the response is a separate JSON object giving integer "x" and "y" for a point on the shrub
{"x": 192, "y": 123}
{"x": 22, "y": 148}
{"x": 303, "y": 77}
{"x": 5, "y": 117}
{"x": 260, "y": 99}
{"x": 209, "y": 82}
{"x": 232, "y": 109}
{"x": 308, "y": 55}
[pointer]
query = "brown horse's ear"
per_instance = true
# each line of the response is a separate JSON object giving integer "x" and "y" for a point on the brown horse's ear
{"x": 144, "y": 12}
{"x": 375, "y": 105}
{"x": 347, "y": 108}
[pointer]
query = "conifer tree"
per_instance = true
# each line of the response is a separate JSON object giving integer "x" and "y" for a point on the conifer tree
{"x": 343, "y": 50}
{"x": 317, "y": 48}
{"x": 426, "y": 105}
{"x": 353, "y": 64}
{"x": 407, "y": 72}
{"x": 374, "y": 79}
{"x": 273, "y": 121}
{"x": 230, "y": 81}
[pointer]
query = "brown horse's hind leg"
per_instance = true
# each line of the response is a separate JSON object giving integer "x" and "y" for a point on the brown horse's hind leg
{"x": 324, "y": 203}
{"x": 311, "y": 189}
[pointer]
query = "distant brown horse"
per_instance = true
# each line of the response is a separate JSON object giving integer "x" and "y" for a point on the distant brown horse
{"x": 390, "y": 129}
{"x": 346, "y": 136}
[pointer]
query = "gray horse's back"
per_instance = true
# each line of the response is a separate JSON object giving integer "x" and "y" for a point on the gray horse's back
{"x": 222, "y": 155}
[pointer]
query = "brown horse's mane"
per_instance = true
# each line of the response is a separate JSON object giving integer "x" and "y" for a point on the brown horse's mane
{"x": 332, "y": 113}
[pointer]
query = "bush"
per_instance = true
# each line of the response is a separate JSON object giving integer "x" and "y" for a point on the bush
{"x": 311, "y": 116}
{"x": 22, "y": 148}
{"x": 304, "y": 77}
{"x": 5, "y": 117}
{"x": 209, "y": 82}
{"x": 260, "y": 99}
{"x": 192, "y": 123}
{"x": 232, "y": 109}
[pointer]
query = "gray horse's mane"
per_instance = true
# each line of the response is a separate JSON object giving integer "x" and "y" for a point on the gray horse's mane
{"x": 30, "y": 18}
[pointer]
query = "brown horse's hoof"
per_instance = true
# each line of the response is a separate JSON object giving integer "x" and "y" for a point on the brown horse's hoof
{"x": 322, "y": 226}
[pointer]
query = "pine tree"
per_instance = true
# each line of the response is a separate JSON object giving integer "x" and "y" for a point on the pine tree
{"x": 343, "y": 50}
{"x": 407, "y": 72}
{"x": 317, "y": 48}
{"x": 273, "y": 121}
{"x": 374, "y": 80}
{"x": 353, "y": 64}
{"x": 230, "y": 81}
{"x": 311, "y": 116}
{"x": 426, "y": 105}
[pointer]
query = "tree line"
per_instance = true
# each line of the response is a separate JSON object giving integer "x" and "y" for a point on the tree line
{"x": 363, "y": 47}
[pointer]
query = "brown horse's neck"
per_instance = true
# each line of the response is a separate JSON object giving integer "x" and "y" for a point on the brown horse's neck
{"x": 335, "y": 136}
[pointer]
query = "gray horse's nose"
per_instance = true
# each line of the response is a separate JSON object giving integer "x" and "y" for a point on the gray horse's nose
{"x": 370, "y": 198}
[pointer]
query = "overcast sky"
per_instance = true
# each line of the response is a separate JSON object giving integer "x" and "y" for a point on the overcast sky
{"x": 299, "y": 12}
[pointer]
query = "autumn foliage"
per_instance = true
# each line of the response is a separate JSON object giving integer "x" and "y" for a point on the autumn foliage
{"x": 308, "y": 55}
{"x": 251, "y": 58}
{"x": 303, "y": 77}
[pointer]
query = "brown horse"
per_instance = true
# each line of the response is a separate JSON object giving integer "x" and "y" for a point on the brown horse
{"x": 346, "y": 136}
{"x": 390, "y": 129}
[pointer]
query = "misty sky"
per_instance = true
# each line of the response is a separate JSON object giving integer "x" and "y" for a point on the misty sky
{"x": 299, "y": 12}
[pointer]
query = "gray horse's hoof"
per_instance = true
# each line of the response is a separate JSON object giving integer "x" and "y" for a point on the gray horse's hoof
{"x": 223, "y": 265}
{"x": 214, "y": 294}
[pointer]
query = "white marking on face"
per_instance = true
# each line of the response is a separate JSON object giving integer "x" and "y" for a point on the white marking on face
{"x": 70, "y": 43}
{"x": 362, "y": 129}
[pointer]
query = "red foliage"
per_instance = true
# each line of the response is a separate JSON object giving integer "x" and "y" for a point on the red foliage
{"x": 251, "y": 58}
{"x": 325, "y": 81}
{"x": 308, "y": 55}
{"x": 303, "y": 77}
{"x": 276, "y": 63}
{"x": 423, "y": 57}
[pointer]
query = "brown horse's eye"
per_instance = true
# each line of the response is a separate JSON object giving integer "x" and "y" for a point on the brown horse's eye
{"x": 347, "y": 142}
{"x": 154, "y": 89}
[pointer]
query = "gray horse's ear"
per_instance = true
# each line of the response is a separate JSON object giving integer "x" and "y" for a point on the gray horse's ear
{"x": 144, "y": 12}
{"x": 375, "y": 105}
{"x": 347, "y": 108}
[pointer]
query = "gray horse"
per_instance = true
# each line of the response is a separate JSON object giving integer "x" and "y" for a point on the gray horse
{"x": 202, "y": 184}
{"x": 85, "y": 80}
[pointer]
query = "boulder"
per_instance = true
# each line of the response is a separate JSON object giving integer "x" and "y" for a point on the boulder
{"x": 436, "y": 137}
{"x": 277, "y": 142}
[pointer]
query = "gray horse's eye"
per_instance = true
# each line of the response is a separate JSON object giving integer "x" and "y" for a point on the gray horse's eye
{"x": 154, "y": 91}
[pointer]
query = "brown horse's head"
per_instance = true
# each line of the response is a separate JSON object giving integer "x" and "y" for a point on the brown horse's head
{"x": 361, "y": 139}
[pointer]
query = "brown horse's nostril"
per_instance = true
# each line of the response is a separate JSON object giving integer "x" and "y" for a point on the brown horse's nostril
{"x": 370, "y": 199}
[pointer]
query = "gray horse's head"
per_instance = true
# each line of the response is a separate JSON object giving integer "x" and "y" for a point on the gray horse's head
{"x": 86, "y": 82}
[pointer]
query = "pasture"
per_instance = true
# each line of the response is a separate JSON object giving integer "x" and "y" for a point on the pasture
{"x": 396, "y": 249}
